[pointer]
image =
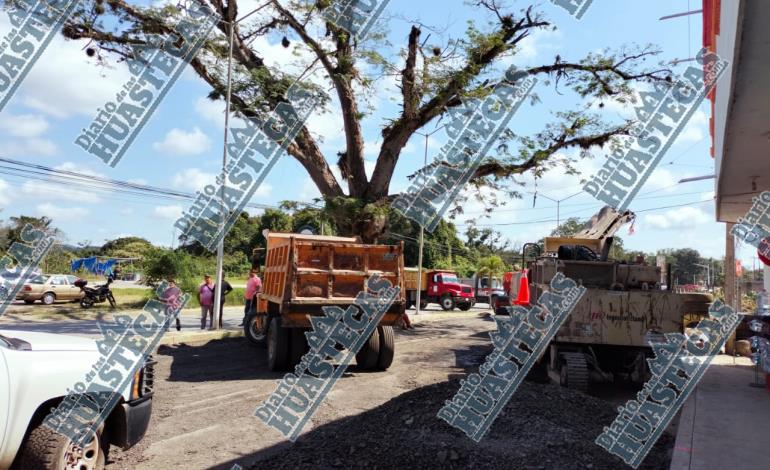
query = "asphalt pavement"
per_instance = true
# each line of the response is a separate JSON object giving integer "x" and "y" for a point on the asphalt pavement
{"x": 89, "y": 327}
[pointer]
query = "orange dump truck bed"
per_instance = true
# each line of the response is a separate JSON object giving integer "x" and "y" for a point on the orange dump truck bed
{"x": 304, "y": 273}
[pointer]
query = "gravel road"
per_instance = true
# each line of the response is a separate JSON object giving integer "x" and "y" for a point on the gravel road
{"x": 205, "y": 397}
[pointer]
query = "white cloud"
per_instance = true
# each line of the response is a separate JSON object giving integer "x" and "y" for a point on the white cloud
{"x": 696, "y": 129}
{"x": 70, "y": 166}
{"x": 72, "y": 214}
{"x": 171, "y": 212}
{"x": 680, "y": 218}
{"x": 180, "y": 142}
{"x": 308, "y": 190}
{"x": 80, "y": 86}
{"x": 192, "y": 179}
{"x": 212, "y": 111}
{"x": 264, "y": 190}
{"x": 29, "y": 148}
{"x": 23, "y": 125}
{"x": 46, "y": 190}
{"x": 328, "y": 126}
{"x": 531, "y": 48}
{"x": 5, "y": 196}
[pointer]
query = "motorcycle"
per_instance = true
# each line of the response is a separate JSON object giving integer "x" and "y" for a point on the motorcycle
{"x": 96, "y": 294}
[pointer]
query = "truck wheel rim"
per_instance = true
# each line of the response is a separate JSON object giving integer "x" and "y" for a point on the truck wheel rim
{"x": 82, "y": 458}
{"x": 256, "y": 332}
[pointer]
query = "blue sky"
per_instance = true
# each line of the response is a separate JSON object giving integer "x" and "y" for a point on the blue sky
{"x": 180, "y": 147}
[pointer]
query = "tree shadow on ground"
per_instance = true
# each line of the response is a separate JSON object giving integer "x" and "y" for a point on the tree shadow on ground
{"x": 221, "y": 360}
{"x": 542, "y": 427}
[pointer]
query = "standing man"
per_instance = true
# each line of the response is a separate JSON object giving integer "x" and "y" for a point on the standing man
{"x": 253, "y": 288}
{"x": 206, "y": 299}
{"x": 171, "y": 298}
{"x": 226, "y": 289}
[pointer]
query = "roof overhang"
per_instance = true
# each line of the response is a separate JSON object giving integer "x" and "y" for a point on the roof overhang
{"x": 741, "y": 126}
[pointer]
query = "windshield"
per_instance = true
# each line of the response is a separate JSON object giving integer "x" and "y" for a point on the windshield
{"x": 448, "y": 278}
{"x": 38, "y": 280}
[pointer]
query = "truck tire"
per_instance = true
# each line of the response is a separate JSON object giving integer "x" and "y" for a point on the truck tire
{"x": 46, "y": 449}
{"x": 254, "y": 329}
{"x": 369, "y": 355}
{"x": 277, "y": 346}
{"x": 465, "y": 307}
{"x": 423, "y": 304}
{"x": 574, "y": 371}
{"x": 299, "y": 346}
{"x": 387, "y": 347}
{"x": 447, "y": 303}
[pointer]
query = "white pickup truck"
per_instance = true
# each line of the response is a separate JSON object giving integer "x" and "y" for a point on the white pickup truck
{"x": 36, "y": 369}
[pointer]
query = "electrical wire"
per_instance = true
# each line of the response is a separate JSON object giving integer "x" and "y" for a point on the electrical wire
{"x": 82, "y": 182}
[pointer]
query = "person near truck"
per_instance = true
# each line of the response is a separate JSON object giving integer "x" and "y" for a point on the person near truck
{"x": 171, "y": 298}
{"x": 226, "y": 289}
{"x": 206, "y": 300}
{"x": 253, "y": 289}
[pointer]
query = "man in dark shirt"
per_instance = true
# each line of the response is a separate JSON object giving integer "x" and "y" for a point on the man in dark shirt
{"x": 227, "y": 288}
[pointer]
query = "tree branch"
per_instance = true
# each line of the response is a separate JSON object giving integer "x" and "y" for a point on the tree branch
{"x": 408, "y": 77}
{"x": 502, "y": 170}
{"x": 352, "y": 162}
{"x": 397, "y": 135}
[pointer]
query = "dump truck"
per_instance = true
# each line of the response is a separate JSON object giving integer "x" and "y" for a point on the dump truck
{"x": 485, "y": 289}
{"x": 607, "y": 336}
{"x": 439, "y": 286}
{"x": 305, "y": 273}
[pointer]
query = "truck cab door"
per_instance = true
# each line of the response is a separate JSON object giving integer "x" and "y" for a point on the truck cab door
{"x": 5, "y": 399}
{"x": 436, "y": 280}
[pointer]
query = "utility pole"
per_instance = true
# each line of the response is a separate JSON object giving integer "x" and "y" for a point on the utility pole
{"x": 422, "y": 229}
{"x": 231, "y": 22}
{"x": 557, "y": 201}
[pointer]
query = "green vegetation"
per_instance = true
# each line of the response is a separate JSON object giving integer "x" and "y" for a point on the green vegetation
{"x": 483, "y": 250}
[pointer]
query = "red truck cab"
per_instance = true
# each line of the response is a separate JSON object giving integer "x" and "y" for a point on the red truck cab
{"x": 441, "y": 287}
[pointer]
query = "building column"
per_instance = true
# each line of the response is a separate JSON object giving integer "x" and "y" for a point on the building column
{"x": 729, "y": 267}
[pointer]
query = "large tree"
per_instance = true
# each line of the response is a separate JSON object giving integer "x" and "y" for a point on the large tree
{"x": 434, "y": 76}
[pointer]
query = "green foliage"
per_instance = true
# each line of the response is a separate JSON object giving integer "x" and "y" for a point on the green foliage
{"x": 126, "y": 247}
{"x": 569, "y": 227}
{"x": 491, "y": 266}
{"x": 162, "y": 264}
{"x": 12, "y": 231}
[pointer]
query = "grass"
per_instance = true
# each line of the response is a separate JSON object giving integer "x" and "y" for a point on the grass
{"x": 126, "y": 298}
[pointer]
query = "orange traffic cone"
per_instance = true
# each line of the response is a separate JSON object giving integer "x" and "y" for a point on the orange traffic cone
{"x": 523, "y": 297}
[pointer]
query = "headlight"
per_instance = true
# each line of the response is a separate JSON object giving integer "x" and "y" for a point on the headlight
{"x": 144, "y": 380}
{"x": 136, "y": 385}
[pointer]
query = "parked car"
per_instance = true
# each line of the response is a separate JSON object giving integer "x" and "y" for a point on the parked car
{"x": 50, "y": 288}
{"x": 36, "y": 371}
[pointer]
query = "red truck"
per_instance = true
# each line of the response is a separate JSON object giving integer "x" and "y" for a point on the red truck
{"x": 438, "y": 286}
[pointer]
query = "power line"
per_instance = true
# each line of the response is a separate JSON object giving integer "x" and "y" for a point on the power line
{"x": 82, "y": 181}
{"x": 577, "y": 212}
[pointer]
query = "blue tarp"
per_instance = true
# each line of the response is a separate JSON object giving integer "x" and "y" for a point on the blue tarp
{"x": 93, "y": 265}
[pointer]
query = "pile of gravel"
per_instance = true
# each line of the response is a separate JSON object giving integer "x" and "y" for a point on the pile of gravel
{"x": 544, "y": 426}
